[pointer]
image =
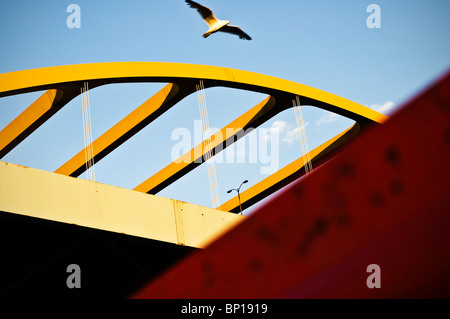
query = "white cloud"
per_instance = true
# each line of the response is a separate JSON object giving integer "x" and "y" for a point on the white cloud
{"x": 328, "y": 118}
{"x": 292, "y": 135}
{"x": 279, "y": 126}
{"x": 275, "y": 130}
{"x": 283, "y": 131}
{"x": 384, "y": 108}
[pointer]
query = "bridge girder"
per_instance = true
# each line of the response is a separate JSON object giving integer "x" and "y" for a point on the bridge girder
{"x": 63, "y": 84}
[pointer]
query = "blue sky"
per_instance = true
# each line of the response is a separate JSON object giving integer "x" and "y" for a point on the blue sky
{"x": 324, "y": 43}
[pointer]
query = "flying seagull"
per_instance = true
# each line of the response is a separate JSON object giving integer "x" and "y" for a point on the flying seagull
{"x": 216, "y": 24}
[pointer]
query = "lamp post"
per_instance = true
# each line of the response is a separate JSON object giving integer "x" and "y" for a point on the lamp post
{"x": 239, "y": 196}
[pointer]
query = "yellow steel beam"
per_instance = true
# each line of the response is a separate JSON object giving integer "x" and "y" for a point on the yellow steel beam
{"x": 127, "y": 127}
{"x": 221, "y": 139}
{"x": 40, "y": 194}
{"x": 182, "y": 77}
{"x": 179, "y": 73}
{"x": 34, "y": 116}
{"x": 228, "y": 135}
{"x": 288, "y": 173}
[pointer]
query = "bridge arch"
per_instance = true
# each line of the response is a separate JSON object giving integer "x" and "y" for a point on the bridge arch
{"x": 63, "y": 84}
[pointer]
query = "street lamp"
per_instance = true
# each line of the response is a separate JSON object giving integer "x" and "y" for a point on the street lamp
{"x": 239, "y": 196}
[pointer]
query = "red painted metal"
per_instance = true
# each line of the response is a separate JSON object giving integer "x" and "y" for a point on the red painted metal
{"x": 383, "y": 200}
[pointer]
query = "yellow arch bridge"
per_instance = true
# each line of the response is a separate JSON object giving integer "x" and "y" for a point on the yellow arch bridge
{"x": 45, "y": 195}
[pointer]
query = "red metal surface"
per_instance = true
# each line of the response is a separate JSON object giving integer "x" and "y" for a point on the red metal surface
{"x": 384, "y": 200}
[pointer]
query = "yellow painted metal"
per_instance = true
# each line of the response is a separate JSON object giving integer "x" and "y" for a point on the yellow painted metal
{"x": 40, "y": 194}
{"x": 26, "y": 119}
{"x": 182, "y": 78}
{"x": 115, "y": 72}
{"x": 288, "y": 173}
{"x": 32, "y": 117}
{"x": 125, "y": 128}
{"x": 219, "y": 140}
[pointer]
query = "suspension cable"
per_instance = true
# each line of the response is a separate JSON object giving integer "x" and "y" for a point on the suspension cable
{"x": 302, "y": 135}
{"x": 208, "y": 151}
{"x": 87, "y": 132}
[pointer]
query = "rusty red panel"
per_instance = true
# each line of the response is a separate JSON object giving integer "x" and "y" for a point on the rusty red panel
{"x": 384, "y": 200}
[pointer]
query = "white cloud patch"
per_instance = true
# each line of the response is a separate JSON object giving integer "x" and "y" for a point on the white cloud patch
{"x": 327, "y": 118}
{"x": 292, "y": 135}
{"x": 279, "y": 127}
{"x": 384, "y": 108}
{"x": 281, "y": 130}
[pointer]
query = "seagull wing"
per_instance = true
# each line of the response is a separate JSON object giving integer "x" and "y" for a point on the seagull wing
{"x": 205, "y": 12}
{"x": 235, "y": 30}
